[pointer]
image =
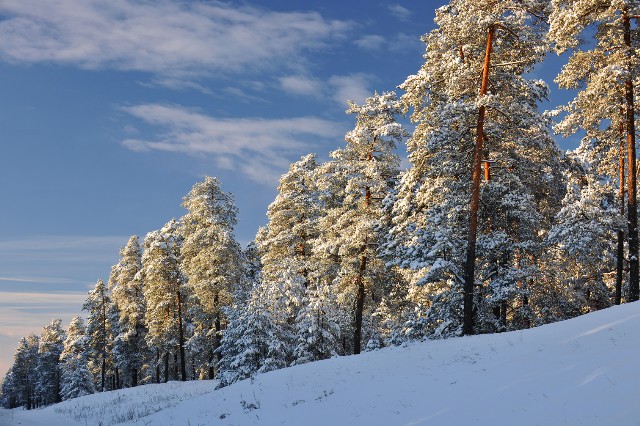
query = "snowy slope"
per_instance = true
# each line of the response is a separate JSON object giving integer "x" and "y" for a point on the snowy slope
{"x": 579, "y": 372}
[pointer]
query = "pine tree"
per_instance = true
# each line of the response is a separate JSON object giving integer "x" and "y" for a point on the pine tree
{"x": 285, "y": 249}
{"x": 440, "y": 238}
{"x": 582, "y": 243}
{"x": 252, "y": 342}
{"x": 23, "y": 374}
{"x": 605, "y": 73}
{"x": 166, "y": 297}
{"x": 76, "y": 379}
{"x": 99, "y": 333}
{"x": 127, "y": 293}
{"x": 212, "y": 261}
{"x": 318, "y": 327}
{"x": 353, "y": 228}
{"x": 48, "y": 368}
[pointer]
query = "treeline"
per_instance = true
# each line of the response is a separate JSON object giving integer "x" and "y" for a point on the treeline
{"x": 491, "y": 228}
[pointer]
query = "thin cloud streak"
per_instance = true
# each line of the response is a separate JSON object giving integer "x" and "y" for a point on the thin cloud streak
{"x": 23, "y": 313}
{"x": 257, "y": 147}
{"x": 164, "y": 37}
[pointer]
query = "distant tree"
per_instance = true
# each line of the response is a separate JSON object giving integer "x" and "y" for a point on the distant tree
{"x": 76, "y": 379}
{"x": 212, "y": 261}
{"x": 49, "y": 349}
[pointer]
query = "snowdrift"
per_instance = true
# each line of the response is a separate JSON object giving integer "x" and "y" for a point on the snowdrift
{"x": 578, "y": 372}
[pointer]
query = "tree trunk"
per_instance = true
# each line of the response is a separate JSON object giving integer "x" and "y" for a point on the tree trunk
{"x": 632, "y": 212}
{"x": 157, "y": 366}
{"x": 467, "y": 327}
{"x": 357, "y": 333}
{"x": 103, "y": 372}
{"x": 620, "y": 251}
{"x": 166, "y": 367}
{"x": 183, "y": 364}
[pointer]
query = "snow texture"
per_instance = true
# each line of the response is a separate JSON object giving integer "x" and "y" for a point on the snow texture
{"x": 577, "y": 372}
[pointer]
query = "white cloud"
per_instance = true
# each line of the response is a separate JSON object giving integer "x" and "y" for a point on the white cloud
{"x": 353, "y": 87}
{"x": 371, "y": 42}
{"x": 259, "y": 148}
{"x": 165, "y": 37}
{"x": 301, "y": 85}
{"x": 399, "y": 11}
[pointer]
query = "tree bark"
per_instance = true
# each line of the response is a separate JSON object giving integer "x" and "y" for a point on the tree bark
{"x": 357, "y": 333}
{"x": 632, "y": 212}
{"x": 468, "y": 321}
{"x": 620, "y": 250}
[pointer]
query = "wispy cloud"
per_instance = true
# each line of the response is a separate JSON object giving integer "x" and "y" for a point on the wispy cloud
{"x": 168, "y": 38}
{"x": 60, "y": 242}
{"x": 23, "y": 313}
{"x": 301, "y": 85}
{"x": 400, "y": 42}
{"x": 399, "y": 11}
{"x": 259, "y": 148}
{"x": 353, "y": 87}
{"x": 49, "y": 263}
{"x": 371, "y": 42}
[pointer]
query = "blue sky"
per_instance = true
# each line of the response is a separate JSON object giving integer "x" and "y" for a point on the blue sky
{"x": 111, "y": 111}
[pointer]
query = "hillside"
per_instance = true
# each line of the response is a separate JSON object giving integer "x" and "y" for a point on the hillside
{"x": 578, "y": 372}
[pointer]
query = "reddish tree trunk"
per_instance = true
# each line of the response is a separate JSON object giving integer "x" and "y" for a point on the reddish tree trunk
{"x": 467, "y": 327}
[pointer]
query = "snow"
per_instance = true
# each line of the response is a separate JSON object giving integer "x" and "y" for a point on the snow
{"x": 577, "y": 372}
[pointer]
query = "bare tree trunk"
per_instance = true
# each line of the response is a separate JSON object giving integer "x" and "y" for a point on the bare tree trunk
{"x": 632, "y": 212}
{"x": 467, "y": 327}
{"x": 357, "y": 333}
{"x": 166, "y": 366}
{"x": 103, "y": 372}
{"x": 620, "y": 251}
{"x": 157, "y": 366}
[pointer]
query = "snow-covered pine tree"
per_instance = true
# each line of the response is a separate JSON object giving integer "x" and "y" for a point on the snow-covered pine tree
{"x": 582, "y": 245}
{"x": 317, "y": 324}
{"x": 605, "y": 71}
{"x": 457, "y": 112}
{"x": 166, "y": 297}
{"x": 252, "y": 342}
{"x": 8, "y": 397}
{"x": 23, "y": 374}
{"x": 127, "y": 293}
{"x": 285, "y": 250}
{"x": 212, "y": 261}
{"x": 352, "y": 229}
{"x": 99, "y": 333}
{"x": 49, "y": 349}
{"x": 76, "y": 379}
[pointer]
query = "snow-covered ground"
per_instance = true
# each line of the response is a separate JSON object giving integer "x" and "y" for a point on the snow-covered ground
{"x": 579, "y": 372}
